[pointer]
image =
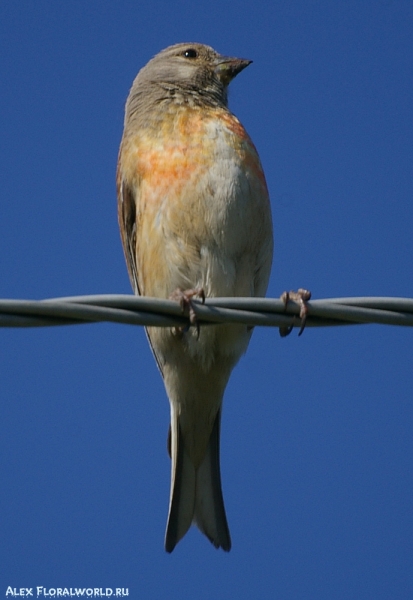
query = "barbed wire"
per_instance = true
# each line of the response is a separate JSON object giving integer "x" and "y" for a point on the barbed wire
{"x": 269, "y": 312}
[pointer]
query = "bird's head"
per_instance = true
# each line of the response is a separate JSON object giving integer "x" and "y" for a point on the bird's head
{"x": 191, "y": 68}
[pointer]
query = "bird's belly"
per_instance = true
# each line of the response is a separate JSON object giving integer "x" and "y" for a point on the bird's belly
{"x": 203, "y": 218}
{"x": 196, "y": 230}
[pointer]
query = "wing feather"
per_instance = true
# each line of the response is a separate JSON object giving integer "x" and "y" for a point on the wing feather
{"x": 127, "y": 226}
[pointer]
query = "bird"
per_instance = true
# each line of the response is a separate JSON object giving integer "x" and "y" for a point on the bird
{"x": 195, "y": 222}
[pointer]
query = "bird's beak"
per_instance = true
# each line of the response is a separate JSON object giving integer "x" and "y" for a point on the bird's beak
{"x": 228, "y": 67}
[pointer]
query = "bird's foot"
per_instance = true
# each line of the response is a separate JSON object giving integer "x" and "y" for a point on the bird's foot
{"x": 301, "y": 297}
{"x": 184, "y": 297}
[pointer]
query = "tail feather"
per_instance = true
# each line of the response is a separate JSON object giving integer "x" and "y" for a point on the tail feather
{"x": 196, "y": 495}
{"x": 209, "y": 513}
{"x": 183, "y": 485}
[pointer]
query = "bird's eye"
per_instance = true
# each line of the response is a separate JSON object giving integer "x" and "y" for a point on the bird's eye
{"x": 190, "y": 53}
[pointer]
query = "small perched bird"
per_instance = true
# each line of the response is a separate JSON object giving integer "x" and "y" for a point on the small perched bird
{"x": 195, "y": 219}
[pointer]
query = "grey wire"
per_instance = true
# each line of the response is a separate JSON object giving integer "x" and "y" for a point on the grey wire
{"x": 156, "y": 312}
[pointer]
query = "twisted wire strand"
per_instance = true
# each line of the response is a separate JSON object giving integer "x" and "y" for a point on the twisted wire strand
{"x": 267, "y": 312}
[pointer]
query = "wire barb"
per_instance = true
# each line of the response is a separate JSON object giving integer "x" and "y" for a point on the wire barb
{"x": 155, "y": 312}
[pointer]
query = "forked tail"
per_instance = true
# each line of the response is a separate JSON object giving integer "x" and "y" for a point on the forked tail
{"x": 196, "y": 494}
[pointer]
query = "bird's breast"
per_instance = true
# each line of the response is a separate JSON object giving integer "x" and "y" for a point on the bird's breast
{"x": 199, "y": 185}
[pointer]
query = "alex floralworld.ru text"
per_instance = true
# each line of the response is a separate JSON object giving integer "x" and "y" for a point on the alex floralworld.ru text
{"x": 67, "y": 592}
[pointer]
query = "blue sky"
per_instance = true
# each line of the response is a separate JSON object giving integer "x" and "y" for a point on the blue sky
{"x": 317, "y": 448}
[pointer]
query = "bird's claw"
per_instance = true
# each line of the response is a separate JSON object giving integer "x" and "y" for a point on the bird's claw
{"x": 184, "y": 297}
{"x": 301, "y": 297}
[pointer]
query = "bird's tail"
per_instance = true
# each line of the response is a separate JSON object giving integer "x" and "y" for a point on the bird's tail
{"x": 196, "y": 494}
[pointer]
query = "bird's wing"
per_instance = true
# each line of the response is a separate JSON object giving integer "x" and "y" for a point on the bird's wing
{"x": 127, "y": 226}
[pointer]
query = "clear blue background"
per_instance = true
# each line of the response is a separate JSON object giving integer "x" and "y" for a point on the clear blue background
{"x": 317, "y": 449}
